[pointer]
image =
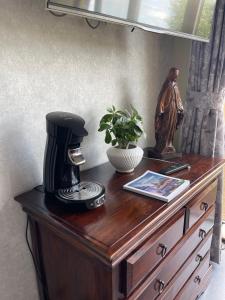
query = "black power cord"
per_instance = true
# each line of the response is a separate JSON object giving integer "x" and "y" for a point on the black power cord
{"x": 59, "y": 15}
{"x": 92, "y": 26}
{"x": 38, "y": 272}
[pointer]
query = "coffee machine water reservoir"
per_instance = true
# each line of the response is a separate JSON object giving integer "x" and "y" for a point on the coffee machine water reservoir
{"x": 63, "y": 157}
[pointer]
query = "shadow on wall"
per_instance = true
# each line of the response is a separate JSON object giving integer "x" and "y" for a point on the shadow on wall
{"x": 15, "y": 258}
{"x": 20, "y": 172}
{"x": 127, "y": 97}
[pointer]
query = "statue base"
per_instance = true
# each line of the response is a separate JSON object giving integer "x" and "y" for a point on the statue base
{"x": 151, "y": 153}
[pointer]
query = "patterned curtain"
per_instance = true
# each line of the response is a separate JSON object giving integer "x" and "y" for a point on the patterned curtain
{"x": 203, "y": 128}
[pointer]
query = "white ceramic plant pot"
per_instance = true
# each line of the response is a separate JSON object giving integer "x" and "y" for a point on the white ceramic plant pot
{"x": 125, "y": 160}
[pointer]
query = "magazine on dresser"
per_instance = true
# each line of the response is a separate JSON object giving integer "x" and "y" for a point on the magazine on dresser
{"x": 158, "y": 186}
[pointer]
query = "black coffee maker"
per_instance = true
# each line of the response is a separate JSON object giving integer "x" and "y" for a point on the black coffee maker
{"x": 63, "y": 157}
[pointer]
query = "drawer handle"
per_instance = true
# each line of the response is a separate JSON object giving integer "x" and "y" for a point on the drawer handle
{"x": 159, "y": 286}
{"x": 202, "y": 234}
{"x": 162, "y": 249}
{"x": 204, "y": 206}
{"x": 197, "y": 279}
{"x": 199, "y": 258}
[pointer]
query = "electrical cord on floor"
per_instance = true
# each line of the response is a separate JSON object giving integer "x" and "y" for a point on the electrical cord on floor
{"x": 38, "y": 272}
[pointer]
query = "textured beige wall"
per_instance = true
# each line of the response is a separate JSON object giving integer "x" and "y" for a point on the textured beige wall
{"x": 48, "y": 64}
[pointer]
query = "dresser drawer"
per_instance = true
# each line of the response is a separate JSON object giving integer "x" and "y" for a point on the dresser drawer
{"x": 163, "y": 274}
{"x": 205, "y": 280}
{"x": 142, "y": 262}
{"x": 199, "y": 260}
{"x": 200, "y": 204}
{"x": 197, "y": 283}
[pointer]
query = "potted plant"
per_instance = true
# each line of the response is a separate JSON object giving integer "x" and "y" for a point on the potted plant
{"x": 122, "y": 130}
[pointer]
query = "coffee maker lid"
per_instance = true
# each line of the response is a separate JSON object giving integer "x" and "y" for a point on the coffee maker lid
{"x": 65, "y": 120}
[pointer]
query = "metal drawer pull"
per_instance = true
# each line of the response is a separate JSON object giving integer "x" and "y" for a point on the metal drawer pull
{"x": 204, "y": 206}
{"x": 159, "y": 286}
{"x": 197, "y": 279}
{"x": 161, "y": 250}
{"x": 202, "y": 234}
{"x": 198, "y": 258}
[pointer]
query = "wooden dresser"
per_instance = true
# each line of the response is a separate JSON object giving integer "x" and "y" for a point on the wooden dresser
{"x": 133, "y": 247}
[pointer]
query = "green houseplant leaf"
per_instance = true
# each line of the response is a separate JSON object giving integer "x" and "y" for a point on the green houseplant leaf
{"x": 108, "y": 137}
{"x": 121, "y": 127}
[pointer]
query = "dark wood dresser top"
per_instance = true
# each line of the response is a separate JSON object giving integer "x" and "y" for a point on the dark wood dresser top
{"x": 127, "y": 218}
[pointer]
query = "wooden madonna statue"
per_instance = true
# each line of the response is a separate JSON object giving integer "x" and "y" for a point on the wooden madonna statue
{"x": 168, "y": 117}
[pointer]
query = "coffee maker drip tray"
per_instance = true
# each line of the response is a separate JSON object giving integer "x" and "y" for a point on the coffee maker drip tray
{"x": 89, "y": 193}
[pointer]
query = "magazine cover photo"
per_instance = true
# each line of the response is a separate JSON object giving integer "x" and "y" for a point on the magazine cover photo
{"x": 155, "y": 183}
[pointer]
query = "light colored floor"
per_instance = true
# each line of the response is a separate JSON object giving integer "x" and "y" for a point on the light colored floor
{"x": 216, "y": 289}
